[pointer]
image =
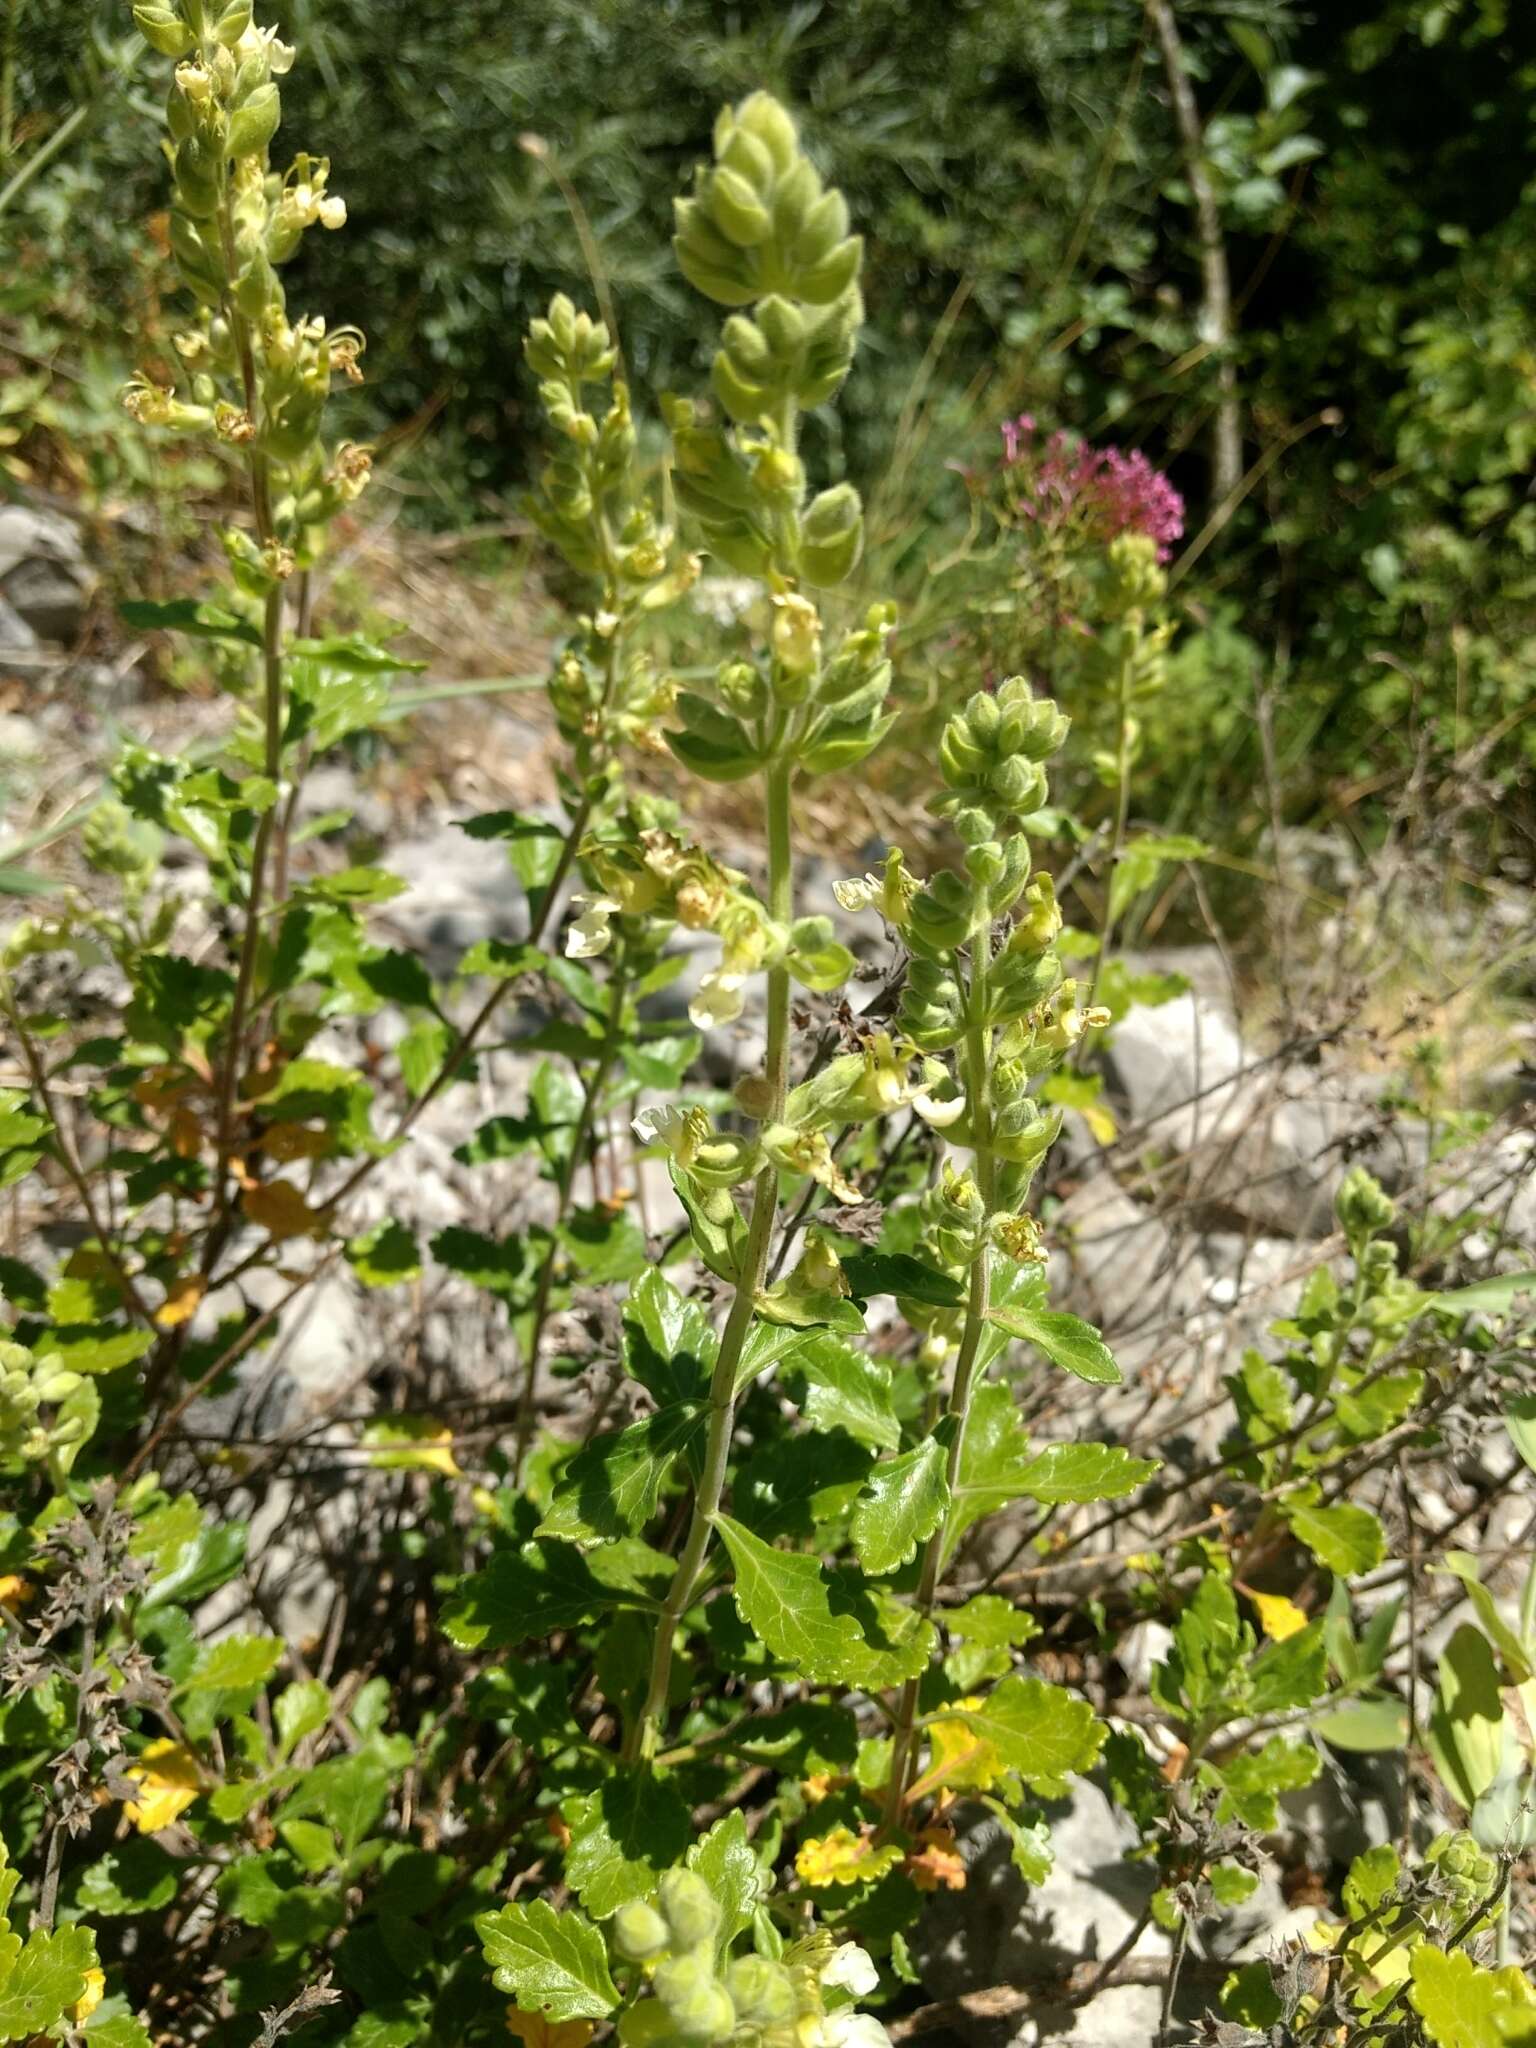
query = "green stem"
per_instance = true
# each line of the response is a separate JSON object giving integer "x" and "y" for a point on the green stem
{"x": 978, "y": 1084}
{"x": 592, "y": 1093}
{"x": 644, "y": 1734}
{"x": 272, "y": 716}
{"x": 1122, "y": 822}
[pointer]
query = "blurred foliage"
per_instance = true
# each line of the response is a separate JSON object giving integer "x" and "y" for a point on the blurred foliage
{"x": 1019, "y": 165}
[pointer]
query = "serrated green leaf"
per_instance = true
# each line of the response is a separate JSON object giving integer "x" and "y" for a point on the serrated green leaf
{"x": 1290, "y": 1673}
{"x": 903, "y": 1502}
{"x": 899, "y": 1274}
{"x": 1372, "y": 1878}
{"x": 604, "y": 1247}
{"x": 93, "y": 1348}
{"x": 840, "y": 1388}
{"x": 1347, "y": 1539}
{"x": 235, "y": 1664}
{"x": 669, "y": 1346}
{"x": 991, "y": 1621}
{"x": 1252, "y": 1782}
{"x": 728, "y": 1864}
{"x": 796, "y": 1486}
{"x": 523, "y": 1593}
{"x": 1029, "y": 1843}
{"x": 300, "y": 1710}
{"x": 611, "y": 1487}
{"x": 829, "y": 1631}
{"x": 548, "y": 1962}
{"x": 993, "y": 1455}
{"x": 1066, "y": 1340}
{"x": 623, "y": 1837}
{"x": 188, "y": 615}
{"x": 768, "y": 1345}
{"x": 1463, "y": 2006}
{"x": 134, "y": 1876}
{"x": 44, "y": 1980}
{"x": 1042, "y": 1732}
{"x": 1084, "y": 1472}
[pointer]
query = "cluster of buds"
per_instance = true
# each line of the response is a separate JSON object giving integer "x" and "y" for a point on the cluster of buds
{"x": 761, "y": 232}
{"x": 259, "y": 379}
{"x": 1127, "y": 655}
{"x": 696, "y": 1998}
{"x": 992, "y": 757}
{"x": 1463, "y": 1873}
{"x": 883, "y": 1076}
{"x": 592, "y": 504}
{"x": 823, "y": 713}
{"x": 653, "y": 878}
{"x": 29, "y": 1385}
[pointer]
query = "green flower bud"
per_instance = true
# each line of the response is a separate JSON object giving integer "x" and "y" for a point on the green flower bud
{"x": 824, "y": 226}
{"x": 1029, "y": 725}
{"x": 1466, "y": 1871}
{"x": 742, "y": 689}
{"x": 233, "y": 23}
{"x": 1132, "y": 578}
{"x": 831, "y": 535}
{"x": 769, "y": 124}
{"x": 759, "y": 224}
{"x": 252, "y": 126}
{"x": 1362, "y": 1205}
{"x": 985, "y": 863}
{"x": 736, "y": 210}
{"x": 930, "y": 1013}
{"x": 1019, "y": 784}
{"x": 699, "y": 2004}
{"x": 944, "y": 913}
{"x": 164, "y": 30}
{"x": 690, "y": 1908}
{"x": 639, "y": 1932}
{"x": 762, "y": 1992}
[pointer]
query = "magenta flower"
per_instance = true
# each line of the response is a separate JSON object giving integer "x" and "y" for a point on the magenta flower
{"x": 1106, "y": 490}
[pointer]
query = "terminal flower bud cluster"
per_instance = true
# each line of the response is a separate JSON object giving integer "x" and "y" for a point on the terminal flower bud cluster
{"x": 257, "y": 378}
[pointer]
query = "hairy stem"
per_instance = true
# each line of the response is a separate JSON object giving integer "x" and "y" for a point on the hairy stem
{"x": 1122, "y": 826}
{"x": 272, "y": 718}
{"x": 978, "y": 1085}
{"x": 645, "y": 1732}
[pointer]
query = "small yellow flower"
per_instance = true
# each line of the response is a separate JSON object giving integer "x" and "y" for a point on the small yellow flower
{"x": 90, "y": 1997}
{"x": 170, "y": 1777}
{"x": 843, "y": 1857}
{"x": 1278, "y": 1617}
{"x": 15, "y": 1591}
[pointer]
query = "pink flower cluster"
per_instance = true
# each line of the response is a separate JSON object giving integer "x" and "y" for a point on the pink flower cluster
{"x": 1109, "y": 491}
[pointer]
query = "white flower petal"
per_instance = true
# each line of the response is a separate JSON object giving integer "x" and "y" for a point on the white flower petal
{"x": 661, "y": 1125}
{"x": 853, "y": 2030}
{"x": 590, "y": 934}
{"x": 719, "y": 1000}
{"x": 938, "y": 1115}
{"x": 849, "y": 1968}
